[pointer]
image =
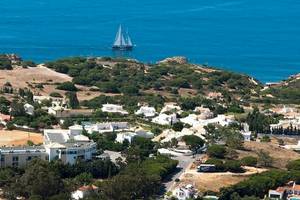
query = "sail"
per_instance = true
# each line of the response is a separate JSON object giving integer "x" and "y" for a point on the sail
{"x": 119, "y": 37}
{"x": 123, "y": 41}
{"x": 129, "y": 42}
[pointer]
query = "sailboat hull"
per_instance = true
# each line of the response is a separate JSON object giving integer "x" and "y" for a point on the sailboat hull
{"x": 122, "y": 48}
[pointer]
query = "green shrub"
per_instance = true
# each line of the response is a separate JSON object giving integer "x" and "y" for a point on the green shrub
{"x": 233, "y": 166}
{"x": 28, "y": 64}
{"x": 67, "y": 86}
{"x": 249, "y": 161}
{"x": 193, "y": 141}
{"x": 217, "y": 162}
{"x": 293, "y": 165}
{"x": 5, "y": 62}
{"x": 265, "y": 138}
{"x": 178, "y": 126}
{"x": 55, "y": 94}
{"x": 216, "y": 151}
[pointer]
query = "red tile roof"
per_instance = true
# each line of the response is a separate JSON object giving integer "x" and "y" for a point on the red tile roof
{"x": 88, "y": 188}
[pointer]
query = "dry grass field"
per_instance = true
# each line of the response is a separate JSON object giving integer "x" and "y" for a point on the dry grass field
{"x": 281, "y": 156}
{"x": 215, "y": 181}
{"x": 18, "y": 138}
{"x": 20, "y": 77}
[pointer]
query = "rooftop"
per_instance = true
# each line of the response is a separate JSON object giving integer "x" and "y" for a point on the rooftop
{"x": 26, "y": 149}
{"x": 88, "y": 188}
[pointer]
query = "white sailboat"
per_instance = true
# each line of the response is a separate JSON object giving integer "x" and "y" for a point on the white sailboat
{"x": 122, "y": 41}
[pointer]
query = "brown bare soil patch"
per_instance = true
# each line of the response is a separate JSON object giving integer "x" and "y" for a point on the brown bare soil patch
{"x": 185, "y": 92}
{"x": 19, "y": 77}
{"x": 19, "y": 138}
{"x": 215, "y": 181}
{"x": 281, "y": 156}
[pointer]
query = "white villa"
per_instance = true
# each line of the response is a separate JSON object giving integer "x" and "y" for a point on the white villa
{"x": 185, "y": 192}
{"x": 130, "y": 135}
{"x": 194, "y": 120}
{"x": 106, "y": 127}
{"x": 164, "y": 119}
{"x": 68, "y": 145}
{"x": 113, "y": 108}
{"x": 57, "y": 107}
{"x": 40, "y": 99}
{"x": 146, "y": 111}
{"x": 121, "y": 137}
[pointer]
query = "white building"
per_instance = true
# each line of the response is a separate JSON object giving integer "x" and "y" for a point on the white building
{"x": 57, "y": 107}
{"x": 68, "y": 145}
{"x": 106, "y": 127}
{"x": 184, "y": 193}
{"x": 113, "y": 108}
{"x": 121, "y": 137}
{"x": 130, "y": 135}
{"x": 194, "y": 120}
{"x": 164, "y": 119}
{"x": 83, "y": 192}
{"x": 40, "y": 99}
{"x": 76, "y": 129}
{"x": 246, "y": 135}
{"x": 29, "y": 109}
{"x": 146, "y": 111}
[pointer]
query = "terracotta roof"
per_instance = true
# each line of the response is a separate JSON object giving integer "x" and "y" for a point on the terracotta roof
{"x": 280, "y": 189}
{"x": 88, "y": 188}
{"x": 296, "y": 187}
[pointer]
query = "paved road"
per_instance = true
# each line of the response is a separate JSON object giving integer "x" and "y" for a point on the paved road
{"x": 184, "y": 163}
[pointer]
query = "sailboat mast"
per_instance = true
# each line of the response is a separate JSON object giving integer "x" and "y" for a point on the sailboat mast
{"x": 121, "y": 35}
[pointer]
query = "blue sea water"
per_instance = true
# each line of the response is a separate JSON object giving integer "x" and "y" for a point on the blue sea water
{"x": 257, "y": 37}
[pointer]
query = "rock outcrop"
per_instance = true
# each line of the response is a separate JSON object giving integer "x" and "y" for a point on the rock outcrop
{"x": 174, "y": 60}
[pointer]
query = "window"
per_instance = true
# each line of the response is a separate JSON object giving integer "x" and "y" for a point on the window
{"x": 72, "y": 152}
{"x": 29, "y": 158}
{"x": 2, "y": 158}
{"x": 15, "y": 158}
